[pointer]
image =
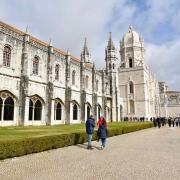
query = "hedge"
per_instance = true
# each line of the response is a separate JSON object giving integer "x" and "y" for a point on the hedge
{"x": 20, "y": 147}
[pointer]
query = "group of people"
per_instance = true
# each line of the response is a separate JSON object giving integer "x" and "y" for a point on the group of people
{"x": 102, "y": 131}
{"x": 162, "y": 121}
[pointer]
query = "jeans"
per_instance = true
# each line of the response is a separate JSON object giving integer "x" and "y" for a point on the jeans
{"x": 103, "y": 140}
{"x": 89, "y": 139}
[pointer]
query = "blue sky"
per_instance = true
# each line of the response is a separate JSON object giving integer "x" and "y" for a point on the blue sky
{"x": 68, "y": 22}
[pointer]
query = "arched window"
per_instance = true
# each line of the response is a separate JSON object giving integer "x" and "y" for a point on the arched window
{"x": 30, "y": 110}
{"x": 73, "y": 77}
{"x": 113, "y": 66}
{"x": 131, "y": 87}
{"x": 109, "y": 66}
{"x": 58, "y": 111}
{"x": 8, "y": 109}
{"x": 7, "y": 56}
{"x": 57, "y": 72}
{"x": 132, "y": 108}
{"x": 35, "y": 65}
{"x": 97, "y": 85}
{"x": 106, "y": 88}
{"x": 99, "y": 111}
{"x": 130, "y": 62}
{"x": 37, "y": 110}
{"x": 87, "y": 81}
{"x": 88, "y": 111}
{"x": 75, "y": 112}
{"x": 1, "y": 104}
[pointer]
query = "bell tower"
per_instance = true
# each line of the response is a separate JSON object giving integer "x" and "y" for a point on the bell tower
{"x": 132, "y": 49}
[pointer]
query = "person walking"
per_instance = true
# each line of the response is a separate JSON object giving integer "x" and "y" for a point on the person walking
{"x": 176, "y": 121}
{"x": 169, "y": 122}
{"x": 173, "y": 122}
{"x": 159, "y": 122}
{"x": 103, "y": 133}
{"x": 90, "y": 124}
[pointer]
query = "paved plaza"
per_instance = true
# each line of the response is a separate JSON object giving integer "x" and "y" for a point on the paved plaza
{"x": 147, "y": 154}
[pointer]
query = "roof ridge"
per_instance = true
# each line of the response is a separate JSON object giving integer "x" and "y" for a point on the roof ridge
{"x": 14, "y": 29}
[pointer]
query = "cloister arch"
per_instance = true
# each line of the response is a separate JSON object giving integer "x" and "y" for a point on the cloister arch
{"x": 58, "y": 109}
{"x": 7, "y": 106}
{"x": 75, "y": 111}
{"x": 36, "y": 104}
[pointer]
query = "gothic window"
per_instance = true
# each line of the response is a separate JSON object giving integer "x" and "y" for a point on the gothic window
{"x": 113, "y": 66}
{"x": 99, "y": 111}
{"x": 107, "y": 88}
{"x": 35, "y": 65}
{"x": 132, "y": 108}
{"x": 130, "y": 62}
{"x": 1, "y": 104}
{"x": 75, "y": 112}
{"x": 9, "y": 109}
{"x": 57, "y": 72}
{"x": 109, "y": 66}
{"x": 88, "y": 111}
{"x": 30, "y": 110}
{"x": 97, "y": 85}
{"x": 87, "y": 81}
{"x": 131, "y": 87}
{"x": 7, "y": 56}
{"x": 58, "y": 112}
{"x": 73, "y": 77}
{"x": 37, "y": 110}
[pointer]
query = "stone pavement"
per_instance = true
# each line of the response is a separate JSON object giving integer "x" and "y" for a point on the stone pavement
{"x": 147, "y": 154}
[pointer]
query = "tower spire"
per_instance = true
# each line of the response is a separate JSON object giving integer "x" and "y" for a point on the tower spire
{"x": 85, "y": 55}
{"x": 27, "y": 29}
{"x": 110, "y": 43}
{"x": 85, "y": 48}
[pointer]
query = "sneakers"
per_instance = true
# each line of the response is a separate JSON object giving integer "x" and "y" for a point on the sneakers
{"x": 102, "y": 147}
{"x": 89, "y": 147}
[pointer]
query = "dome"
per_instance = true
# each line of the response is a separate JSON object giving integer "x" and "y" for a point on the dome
{"x": 131, "y": 38}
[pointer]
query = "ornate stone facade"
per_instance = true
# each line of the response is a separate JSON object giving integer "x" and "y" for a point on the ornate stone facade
{"x": 41, "y": 84}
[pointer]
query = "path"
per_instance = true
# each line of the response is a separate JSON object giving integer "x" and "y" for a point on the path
{"x": 147, "y": 154}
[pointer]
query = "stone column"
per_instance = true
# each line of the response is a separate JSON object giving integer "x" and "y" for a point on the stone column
{"x": 94, "y": 94}
{"x": 24, "y": 81}
{"x": 26, "y": 115}
{"x": 49, "y": 86}
{"x": 68, "y": 89}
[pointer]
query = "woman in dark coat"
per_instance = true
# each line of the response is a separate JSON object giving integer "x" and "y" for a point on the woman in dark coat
{"x": 103, "y": 133}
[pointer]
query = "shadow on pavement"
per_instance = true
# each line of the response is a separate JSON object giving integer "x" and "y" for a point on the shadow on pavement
{"x": 84, "y": 146}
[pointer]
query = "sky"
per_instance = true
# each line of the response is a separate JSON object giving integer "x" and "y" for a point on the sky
{"x": 68, "y": 22}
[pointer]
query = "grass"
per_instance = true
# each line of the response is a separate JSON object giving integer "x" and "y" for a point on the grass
{"x": 14, "y": 133}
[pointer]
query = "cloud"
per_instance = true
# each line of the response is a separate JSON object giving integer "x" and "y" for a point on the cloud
{"x": 68, "y": 22}
{"x": 164, "y": 60}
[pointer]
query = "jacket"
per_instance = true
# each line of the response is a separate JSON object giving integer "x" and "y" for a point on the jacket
{"x": 102, "y": 132}
{"x": 90, "y": 124}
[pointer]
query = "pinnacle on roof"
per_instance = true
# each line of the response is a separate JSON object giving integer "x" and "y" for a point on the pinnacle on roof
{"x": 130, "y": 28}
{"x": 85, "y": 48}
{"x": 50, "y": 42}
{"x": 27, "y": 30}
{"x": 110, "y": 43}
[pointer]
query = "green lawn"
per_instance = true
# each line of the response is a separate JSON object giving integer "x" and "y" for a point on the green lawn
{"x": 15, "y": 133}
